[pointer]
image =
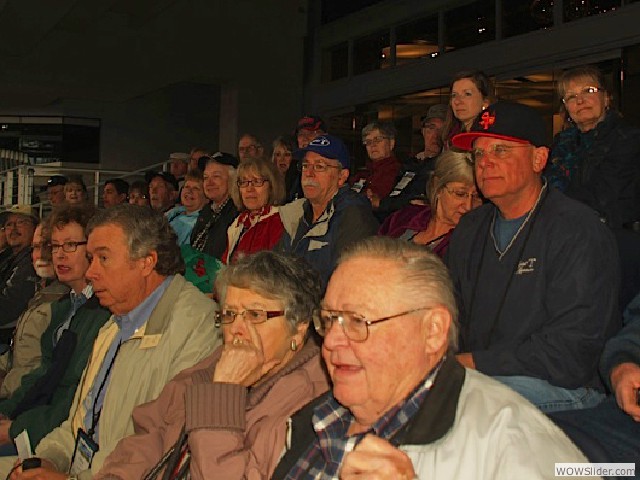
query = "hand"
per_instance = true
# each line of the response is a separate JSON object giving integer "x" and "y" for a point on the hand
{"x": 46, "y": 472}
{"x": 625, "y": 380}
{"x": 373, "y": 198}
{"x": 377, "y": 458}
{"x": 242, "y": 363}
{"x": 5, "y": 437}
{"x": 466, "y": 360}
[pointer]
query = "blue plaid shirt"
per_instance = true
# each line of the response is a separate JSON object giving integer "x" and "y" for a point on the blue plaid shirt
{"x": 331, "y": 421}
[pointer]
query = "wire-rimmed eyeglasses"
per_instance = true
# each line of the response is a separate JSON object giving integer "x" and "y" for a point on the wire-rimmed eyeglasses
{"x": 354, "y": 325}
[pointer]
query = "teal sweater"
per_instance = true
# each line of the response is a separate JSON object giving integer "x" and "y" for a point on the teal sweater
{"x": 39, "y": 421}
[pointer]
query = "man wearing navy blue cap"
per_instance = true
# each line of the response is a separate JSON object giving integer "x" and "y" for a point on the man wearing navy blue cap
{"x": 536, "y": 273}
{"x": 330, "y": 216}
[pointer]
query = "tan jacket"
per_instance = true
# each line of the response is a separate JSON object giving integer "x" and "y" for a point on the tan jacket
{"x": 179, "y": 333}
{"x": 26, "y": 351}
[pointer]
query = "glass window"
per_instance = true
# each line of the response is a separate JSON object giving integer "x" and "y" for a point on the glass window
{"x": 335, "y": 62}
{"x": 522, "y": 16}
{"x": 576, "y": 9}
{"x": 369, "y": 52}
{"x": 416, "y": 40}
{"x": 470, "y": 24}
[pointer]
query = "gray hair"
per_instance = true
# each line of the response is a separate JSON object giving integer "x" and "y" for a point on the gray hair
{"x": 233, "y": 172}
{"x": 146, "y": 231}
{"x": 451, "y": 166}
{"x": 423, "y": 275}
{"x": 289, "y": 280}
{"x": 386, "y": 128}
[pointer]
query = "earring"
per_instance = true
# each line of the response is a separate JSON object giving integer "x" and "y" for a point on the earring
{"x": 294, "y": 345}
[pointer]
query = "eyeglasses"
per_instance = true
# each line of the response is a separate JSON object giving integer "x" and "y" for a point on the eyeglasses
{"x": 247, "y": 148}
{"x": 67, "y": 247}
{"x": 256, "y": 182}
{"x": 463, "y": 195}
{"x": 354, "y": 325}
{"x": 251, "y": 315}
{"x": 316, "y": 167}
{"x": 572, "y": 97}
{"x": 498, "y": 150}
{"x": 21, "y": 222}
{"x": 374, "y": 140}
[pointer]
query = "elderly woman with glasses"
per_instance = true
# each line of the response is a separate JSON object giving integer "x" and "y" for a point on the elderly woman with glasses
{"x": 256, "y": 193}
{"x": 452, "y": 193}
{"x": 230, "y": 415}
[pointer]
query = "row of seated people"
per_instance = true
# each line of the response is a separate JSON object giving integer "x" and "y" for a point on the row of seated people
{"x": 564, "y": 291}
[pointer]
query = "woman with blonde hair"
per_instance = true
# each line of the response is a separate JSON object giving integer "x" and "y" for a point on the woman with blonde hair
{"x": 452, "y": 193}
{"x": 257, "y": 192}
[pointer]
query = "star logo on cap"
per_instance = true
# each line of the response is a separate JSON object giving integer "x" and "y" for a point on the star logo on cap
{"x": 487, "y": 120}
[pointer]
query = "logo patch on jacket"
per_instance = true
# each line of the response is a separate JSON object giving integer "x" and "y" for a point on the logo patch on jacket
{"x": 526, "y": 266}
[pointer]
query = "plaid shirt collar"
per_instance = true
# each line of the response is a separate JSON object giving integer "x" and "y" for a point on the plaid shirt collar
{"x": 331, "y": 422}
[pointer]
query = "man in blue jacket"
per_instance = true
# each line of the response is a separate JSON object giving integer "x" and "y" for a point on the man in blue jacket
{"x": 331, "y": 216}
{"x": 536, "y": 272}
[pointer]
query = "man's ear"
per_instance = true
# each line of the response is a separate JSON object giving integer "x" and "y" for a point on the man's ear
{"x": 436, "y": 322}
{"x": 149, "y": 262}
{"x": 540, "y": 156}
{"x": 343, "y": 176}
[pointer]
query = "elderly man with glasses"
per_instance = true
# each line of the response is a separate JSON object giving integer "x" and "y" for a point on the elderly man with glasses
{"x": 536, "y": 273}
{"x": 331, "y": 216}
{"x": 401, "y": 407}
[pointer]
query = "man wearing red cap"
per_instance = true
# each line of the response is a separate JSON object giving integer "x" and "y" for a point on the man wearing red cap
{"x": 536, "y": 273}
{"x": 308, "y": 129}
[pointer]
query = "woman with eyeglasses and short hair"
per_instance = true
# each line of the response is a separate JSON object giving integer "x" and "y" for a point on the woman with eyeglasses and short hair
{"x": 230, "y": 415}
{"x": 452, "y": 193}
{"x": 256, "y": 193}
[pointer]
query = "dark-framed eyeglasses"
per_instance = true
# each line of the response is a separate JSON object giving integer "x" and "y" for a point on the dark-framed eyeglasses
{"x": 498, "y": 150}
{"x": 354, "y": 325}
{"x": 20, "y": 222}
{"x": 585, "y": 91}
{"x": 256, "y": 182}
{"x": 67, "y": 247}
{"x": 251, "y": 315}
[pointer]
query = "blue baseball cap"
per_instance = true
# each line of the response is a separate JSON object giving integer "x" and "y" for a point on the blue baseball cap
{"x": 328, "y": 146}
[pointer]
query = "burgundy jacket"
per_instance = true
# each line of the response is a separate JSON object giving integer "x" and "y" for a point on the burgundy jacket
{"x": 411, "y": 220}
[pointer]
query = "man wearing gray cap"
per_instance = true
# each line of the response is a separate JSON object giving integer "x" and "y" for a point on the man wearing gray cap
{"x": 179, "y": 165}
{"x": 17, "y": 276}
{"x": 412, "y": 179}
{"x": 536, "y": 272}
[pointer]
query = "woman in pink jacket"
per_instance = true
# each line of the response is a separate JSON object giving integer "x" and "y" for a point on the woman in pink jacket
{"x": 228, "y": 417}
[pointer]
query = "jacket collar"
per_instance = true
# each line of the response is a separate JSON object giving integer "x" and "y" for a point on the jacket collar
{"x": 437, "y": 414}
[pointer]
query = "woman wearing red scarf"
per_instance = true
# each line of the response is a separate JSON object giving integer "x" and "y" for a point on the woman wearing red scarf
{"x": 258, "y": 190}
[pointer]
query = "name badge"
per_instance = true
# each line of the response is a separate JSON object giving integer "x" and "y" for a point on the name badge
{"x": 83, "y": 453}
{"x": 150, "y": 341}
